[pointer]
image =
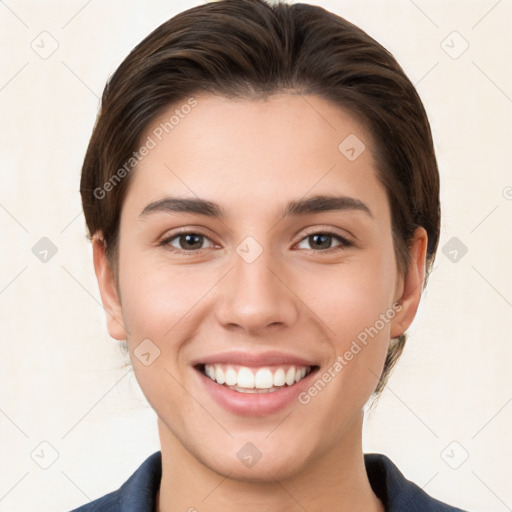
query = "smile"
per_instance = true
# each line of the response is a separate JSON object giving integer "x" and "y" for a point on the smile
{"x": 254, "y": 384}
{"x": 244, "y": 379}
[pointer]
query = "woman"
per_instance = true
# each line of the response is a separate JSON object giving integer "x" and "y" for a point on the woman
{"x": 262, "y": 197}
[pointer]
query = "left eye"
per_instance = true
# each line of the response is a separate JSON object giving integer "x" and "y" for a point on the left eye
{"x": 322, "y": 239}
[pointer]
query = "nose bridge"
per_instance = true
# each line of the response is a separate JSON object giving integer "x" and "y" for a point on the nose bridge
{"x": 255, "y": 296}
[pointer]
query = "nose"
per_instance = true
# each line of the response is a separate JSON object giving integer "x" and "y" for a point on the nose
{"x": 255, "y": 296}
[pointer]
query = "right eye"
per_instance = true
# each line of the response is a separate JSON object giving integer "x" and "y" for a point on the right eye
{"x": 186, "y": 242}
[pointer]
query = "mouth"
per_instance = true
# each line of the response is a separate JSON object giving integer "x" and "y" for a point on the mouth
{"x": 256, "y": 380}
{"x": 254, "y": 384}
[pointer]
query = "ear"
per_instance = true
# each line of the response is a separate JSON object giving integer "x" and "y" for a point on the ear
{"x": 411, "y": 284}
{"x": 108, "y": 292}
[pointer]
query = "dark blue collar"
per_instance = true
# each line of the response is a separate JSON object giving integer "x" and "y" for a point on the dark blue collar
{"x": 138, "y": 493}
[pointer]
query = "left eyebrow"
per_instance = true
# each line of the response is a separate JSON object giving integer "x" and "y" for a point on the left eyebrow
{"x": 322, "y": 203}
{"x": 310, "y": 205}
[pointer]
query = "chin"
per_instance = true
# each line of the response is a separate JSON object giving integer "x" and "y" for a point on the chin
{"x": 259, "y": 462}
{"x": 263, "y": 472}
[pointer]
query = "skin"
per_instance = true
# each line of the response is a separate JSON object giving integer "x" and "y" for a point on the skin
{"x": 251, "y": 157}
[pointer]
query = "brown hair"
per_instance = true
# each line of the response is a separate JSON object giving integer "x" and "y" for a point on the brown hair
{"x": 252, "y": 49}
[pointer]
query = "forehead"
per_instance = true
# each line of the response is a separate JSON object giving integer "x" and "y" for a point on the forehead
{"x": 256, "y": 152}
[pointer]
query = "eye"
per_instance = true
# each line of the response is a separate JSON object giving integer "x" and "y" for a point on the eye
{"x": 190, "y": 242}
{"x": 186, "y": 242}
{"x": 323, "y": 240}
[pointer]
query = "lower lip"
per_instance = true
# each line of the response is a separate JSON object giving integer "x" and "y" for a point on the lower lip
{"x": 254, "y": 404}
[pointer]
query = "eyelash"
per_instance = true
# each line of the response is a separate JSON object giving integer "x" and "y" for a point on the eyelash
{"x": 344, "y": 243}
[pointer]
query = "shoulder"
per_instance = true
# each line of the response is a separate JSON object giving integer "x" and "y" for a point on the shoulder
{"x": 396, "y": 492}
{"x": 107, "y": 503}
{"x": 138, "y": 493}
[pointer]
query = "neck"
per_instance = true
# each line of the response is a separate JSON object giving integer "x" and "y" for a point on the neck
{"x": 335, "y": 480}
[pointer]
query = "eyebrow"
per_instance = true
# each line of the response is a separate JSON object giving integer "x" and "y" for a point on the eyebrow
{"x": 315, "y": 204}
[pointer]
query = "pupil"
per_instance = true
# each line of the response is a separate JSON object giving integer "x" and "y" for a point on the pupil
{"x": 315, "y": 237}
{"x": 188, "y": 240}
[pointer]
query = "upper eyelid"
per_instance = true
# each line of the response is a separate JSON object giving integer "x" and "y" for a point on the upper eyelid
{"x": 329, "y": 231}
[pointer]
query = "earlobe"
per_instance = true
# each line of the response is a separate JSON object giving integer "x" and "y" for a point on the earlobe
{"x": 412, "y": 284}
{"x": 108, "y": 291}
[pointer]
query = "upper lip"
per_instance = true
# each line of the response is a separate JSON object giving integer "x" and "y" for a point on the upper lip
{"x": 242, "y": 358}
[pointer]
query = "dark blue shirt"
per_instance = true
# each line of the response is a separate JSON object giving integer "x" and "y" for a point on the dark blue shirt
{"x": 138, "y": 493}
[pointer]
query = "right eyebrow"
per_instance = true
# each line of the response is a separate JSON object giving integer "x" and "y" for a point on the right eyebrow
{"x": 184, "y": 205}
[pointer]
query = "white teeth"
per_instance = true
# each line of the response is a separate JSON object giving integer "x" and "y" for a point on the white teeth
{"x": 245, "y": 379}
{"x": 263, "y": 379}
{"x": 299, "y": 374}
{"x": 210, "y": 371}
{"x": 219, "y": 375}
{"x": 231, "y": 377}
{"x": 290, "y": 376}
{"x": 279, "y": 377}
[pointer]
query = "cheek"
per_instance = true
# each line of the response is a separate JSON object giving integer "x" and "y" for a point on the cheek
{"x": 357, "y": 309}
{"x": 160, "y": 303}
{"x": 158, "y": 296}
{"x": 361, "y": 326}
{"x": 355, "y": 296}
{"x": 360, "y": 309}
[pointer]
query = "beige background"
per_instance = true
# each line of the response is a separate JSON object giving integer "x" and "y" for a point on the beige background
{"x": 62, "y": 380}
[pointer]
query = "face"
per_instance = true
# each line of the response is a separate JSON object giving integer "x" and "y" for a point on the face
{"x": 294, "y": 311}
